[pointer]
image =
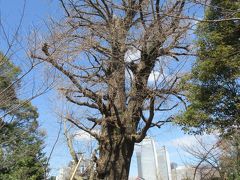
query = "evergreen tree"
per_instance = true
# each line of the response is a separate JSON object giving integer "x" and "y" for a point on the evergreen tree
{"x": 213, "y": 87}
{"x": 21, "y": 141}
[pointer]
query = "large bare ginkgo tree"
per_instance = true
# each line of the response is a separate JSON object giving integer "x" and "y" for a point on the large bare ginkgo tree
{"x": 121, "y": 61}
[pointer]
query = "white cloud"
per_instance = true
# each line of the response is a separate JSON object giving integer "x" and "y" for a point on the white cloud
{"x": 132, "y": 55}
{"x": 154, "y": 76}
{"x": 84, "y": 136}
{"x": 190, "y": 140}
{"x": 183, "y": 141}
{"x": 160, "y": 77}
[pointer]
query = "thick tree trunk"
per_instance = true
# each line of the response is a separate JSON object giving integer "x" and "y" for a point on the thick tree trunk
{"x": 114, "y": 159}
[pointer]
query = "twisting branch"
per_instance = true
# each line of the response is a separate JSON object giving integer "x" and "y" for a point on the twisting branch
{"x": 95, "y": 135}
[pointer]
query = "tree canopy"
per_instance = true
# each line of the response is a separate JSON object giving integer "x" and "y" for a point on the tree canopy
{"x": 213, "y": 87}
{"x": 115, "y": 59}
{"x": 120, "y": 61}
{"x": 21, "y": 141}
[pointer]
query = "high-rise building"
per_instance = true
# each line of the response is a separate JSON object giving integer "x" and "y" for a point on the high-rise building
{"x": 153, "y": 163}
{"x": 146, "y": 160}
{"x": 164, "y": 170}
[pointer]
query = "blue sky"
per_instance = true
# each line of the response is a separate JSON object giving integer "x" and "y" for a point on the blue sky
{"x": 36, "y": 14}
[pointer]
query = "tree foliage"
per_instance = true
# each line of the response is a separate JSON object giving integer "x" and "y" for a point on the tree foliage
{"x": 21, "y": 141}
{"x": 213, "y": 87}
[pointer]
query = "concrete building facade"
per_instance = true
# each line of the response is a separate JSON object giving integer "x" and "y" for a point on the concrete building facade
{"x": 153, "y": 163}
